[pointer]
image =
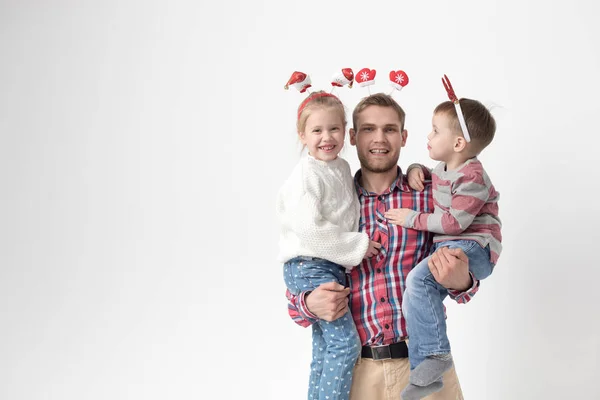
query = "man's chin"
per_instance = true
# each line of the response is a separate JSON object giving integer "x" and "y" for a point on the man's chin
{"x": 378, "y": 167}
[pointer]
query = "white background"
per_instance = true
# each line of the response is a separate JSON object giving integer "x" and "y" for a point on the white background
{"x": 142, "y": 144}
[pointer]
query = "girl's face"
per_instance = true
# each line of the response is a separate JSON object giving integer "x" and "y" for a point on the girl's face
{"x": 324, "y": 134}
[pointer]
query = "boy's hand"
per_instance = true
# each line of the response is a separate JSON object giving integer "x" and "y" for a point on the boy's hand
{"x": 397, "y": 215}
{"x": 373, "y": 249}
{"x": 416, "y": 178}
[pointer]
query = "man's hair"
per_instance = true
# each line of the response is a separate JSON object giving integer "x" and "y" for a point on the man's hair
{"x": 480, "y": 122}
{"x": 316, "y": 101}
{"x": 378, "y": 99}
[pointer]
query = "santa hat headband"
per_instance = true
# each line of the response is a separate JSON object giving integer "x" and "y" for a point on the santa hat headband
{"x": 454, "y": 99}
{"x": 302, "y": 83}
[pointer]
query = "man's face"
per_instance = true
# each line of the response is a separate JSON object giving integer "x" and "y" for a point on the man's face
{"x": 378, "y": 138}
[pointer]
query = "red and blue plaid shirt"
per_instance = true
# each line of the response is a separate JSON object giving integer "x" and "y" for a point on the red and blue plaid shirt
{"x": 377, "y": 284}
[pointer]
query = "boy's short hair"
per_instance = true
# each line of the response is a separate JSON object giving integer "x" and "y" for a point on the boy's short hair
{"x": 378, "y": 99}
{"x": 479, "y": 120}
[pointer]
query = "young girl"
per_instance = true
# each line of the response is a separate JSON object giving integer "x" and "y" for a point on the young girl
{"x": 465, "y": 217}
{"x": 319, "y": 212}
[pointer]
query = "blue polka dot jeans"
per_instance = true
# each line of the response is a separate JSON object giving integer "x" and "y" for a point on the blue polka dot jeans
{"x": 336, "y": 344}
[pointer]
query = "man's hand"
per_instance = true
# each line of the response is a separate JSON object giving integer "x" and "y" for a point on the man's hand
{"x": 329, "y": 301}
{"x": 373, "y": 249}
{"x": 450, "y": 268}
{"x": 416, "y": 179}
{"x": 397, "y": 215}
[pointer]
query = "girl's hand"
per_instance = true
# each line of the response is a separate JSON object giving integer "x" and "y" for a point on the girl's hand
{"x": 373, "y": 249}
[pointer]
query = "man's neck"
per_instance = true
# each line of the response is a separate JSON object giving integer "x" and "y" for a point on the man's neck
{"x": 378, "y": 182}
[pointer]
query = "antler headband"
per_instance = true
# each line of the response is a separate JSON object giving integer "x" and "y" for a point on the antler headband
{"x": 454, "y": 99}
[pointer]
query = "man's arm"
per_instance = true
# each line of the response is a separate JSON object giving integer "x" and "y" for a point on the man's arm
{"x": 450, "y": 268}
{"x": 327, "y": 302}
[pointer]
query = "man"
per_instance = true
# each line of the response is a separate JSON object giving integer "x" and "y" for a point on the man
{"x": 376, "y": 286}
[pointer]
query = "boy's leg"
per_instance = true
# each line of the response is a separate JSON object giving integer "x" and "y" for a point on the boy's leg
{"x": 432, "y": 343}
{"x": 385, "y": 380}
{"x": 428, "y": 345}
{"x": 422, "y": 306}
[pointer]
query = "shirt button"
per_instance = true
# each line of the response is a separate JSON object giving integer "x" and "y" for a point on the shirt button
{"x": 387, "y": 326}
{"x": 379, "y": 270}
{"x": 383, "y": 300}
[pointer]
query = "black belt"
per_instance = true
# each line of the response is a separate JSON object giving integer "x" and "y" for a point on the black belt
{"x": 396, "y": 350}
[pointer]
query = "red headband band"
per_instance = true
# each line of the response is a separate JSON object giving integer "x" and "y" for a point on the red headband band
{"x": 312, "y": 97}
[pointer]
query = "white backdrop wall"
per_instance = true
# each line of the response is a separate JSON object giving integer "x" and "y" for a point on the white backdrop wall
{"x": 142, "y": 144}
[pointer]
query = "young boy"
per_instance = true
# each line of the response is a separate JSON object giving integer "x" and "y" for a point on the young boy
{"x": 465, "y": 216}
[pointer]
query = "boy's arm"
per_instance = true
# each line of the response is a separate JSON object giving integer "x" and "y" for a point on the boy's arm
{"x": 426, "y": 171}
{"x": 470, "y": 194}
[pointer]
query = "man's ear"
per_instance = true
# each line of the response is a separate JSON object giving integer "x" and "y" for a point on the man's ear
{"x": 404, "y": 137}
{"x": 352, "y": 133}
{"x": 459, "y": 144}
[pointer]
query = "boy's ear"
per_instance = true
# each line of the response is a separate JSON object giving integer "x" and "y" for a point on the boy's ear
{"x": 460, "y": 144}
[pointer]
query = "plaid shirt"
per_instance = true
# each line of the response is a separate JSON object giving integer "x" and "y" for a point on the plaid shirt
{"x": 377, "y": 284}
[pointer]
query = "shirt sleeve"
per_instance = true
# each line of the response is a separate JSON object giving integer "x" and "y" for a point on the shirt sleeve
{"x": 298, "y": 311}
{"x": 466, "y": 296}
{"x": 469, "y": 195}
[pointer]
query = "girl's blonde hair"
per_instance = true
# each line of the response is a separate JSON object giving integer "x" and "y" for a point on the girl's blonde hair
{"x": 318, "y": 100}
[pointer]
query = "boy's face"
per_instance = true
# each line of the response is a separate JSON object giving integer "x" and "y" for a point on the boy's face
{"x": 378, "y": 138}
{"x": 442, "y": 140}
{"x": 323, "y": 134}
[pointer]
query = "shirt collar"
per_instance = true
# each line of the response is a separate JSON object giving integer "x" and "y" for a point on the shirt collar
{"x": 399, "y": 183}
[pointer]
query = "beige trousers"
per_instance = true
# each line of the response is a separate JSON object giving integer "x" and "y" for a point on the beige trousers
{"x": 385, "y": 380}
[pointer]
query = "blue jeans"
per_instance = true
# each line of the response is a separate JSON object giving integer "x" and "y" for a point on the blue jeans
{"x": 422, "y": 301}
{"x": 336, "y": 344}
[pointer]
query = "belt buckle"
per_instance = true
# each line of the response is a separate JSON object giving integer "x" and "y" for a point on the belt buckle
{"x": 381, "y": 352}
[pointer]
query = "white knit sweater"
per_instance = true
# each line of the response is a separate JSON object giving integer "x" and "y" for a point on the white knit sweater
{"x": 318, "y": 211}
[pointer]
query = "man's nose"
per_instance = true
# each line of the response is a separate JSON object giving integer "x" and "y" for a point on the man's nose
{"x": 379, "y": 136}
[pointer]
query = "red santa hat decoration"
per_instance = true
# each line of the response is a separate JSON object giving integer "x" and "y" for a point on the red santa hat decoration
{"x": 300, "y": 81}
{"x": 342, "y": 78}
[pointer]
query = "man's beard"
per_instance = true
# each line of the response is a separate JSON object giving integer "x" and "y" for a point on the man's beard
{"x": 377, "y": 167}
